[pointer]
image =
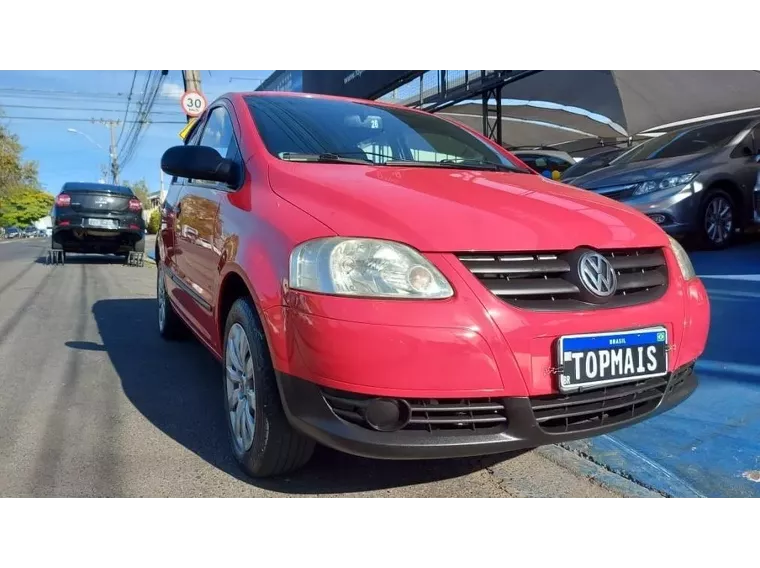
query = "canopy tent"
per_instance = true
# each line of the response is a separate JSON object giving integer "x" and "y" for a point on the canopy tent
{"x": 516, "y": 131}
{"x": 640, "y": 100}
{"x": 526, "y": 125}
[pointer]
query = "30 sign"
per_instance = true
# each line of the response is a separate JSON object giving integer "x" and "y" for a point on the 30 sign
{"x": 193, "y": 103}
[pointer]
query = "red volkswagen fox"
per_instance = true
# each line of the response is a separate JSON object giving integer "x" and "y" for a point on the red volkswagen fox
{"x": 394, "y": 285}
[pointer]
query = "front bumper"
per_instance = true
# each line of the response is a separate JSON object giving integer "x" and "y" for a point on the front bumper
{"x": 516, "y": 423}
{"x": 678, "y": 210}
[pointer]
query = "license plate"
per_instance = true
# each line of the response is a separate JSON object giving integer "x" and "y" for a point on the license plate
{"x": 102, "y": 223}
{"x": 599, "y": 359}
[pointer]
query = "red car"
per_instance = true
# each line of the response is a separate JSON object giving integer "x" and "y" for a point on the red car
{"x": 394, "y": 285}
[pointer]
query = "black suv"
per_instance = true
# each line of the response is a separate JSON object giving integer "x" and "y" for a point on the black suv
{"x": 97, "y": 218}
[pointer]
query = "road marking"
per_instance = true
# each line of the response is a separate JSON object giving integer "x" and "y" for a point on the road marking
{"x": 745, "y": 277}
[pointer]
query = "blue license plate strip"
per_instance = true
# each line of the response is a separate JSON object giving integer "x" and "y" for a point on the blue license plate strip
{"x": 595, "y": 360}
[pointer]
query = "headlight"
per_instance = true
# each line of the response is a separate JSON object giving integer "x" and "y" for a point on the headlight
{"x": 365, "y": 267}
{"x": 684, "y": 262}
{"x": 667, "y": 183}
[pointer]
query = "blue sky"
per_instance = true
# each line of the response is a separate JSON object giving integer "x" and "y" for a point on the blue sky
{"x": 70, "y": 96}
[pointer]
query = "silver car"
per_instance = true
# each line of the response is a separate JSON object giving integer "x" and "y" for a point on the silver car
{"x": 695, "y": 181}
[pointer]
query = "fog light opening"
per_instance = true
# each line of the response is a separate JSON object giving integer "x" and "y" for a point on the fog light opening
{"x": 657, "y": 218}
{"x": 387, "y": 415}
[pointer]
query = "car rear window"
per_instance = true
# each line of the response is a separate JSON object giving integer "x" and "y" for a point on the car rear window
{"x": 72, "y": 187}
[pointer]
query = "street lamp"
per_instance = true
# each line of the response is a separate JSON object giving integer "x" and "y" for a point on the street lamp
{"x": 111, "y": 154}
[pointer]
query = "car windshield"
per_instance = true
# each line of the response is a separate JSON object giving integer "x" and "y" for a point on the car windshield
{"x": 684, "y": 142}
{"x": 299, "y": 127}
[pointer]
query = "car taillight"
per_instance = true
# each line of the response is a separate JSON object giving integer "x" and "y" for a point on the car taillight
{"x": 63, "y": 200}
{"x": 135, "y": 205}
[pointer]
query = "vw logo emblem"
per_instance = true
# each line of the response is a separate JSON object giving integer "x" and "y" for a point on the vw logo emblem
{"x": 597, "y": 274}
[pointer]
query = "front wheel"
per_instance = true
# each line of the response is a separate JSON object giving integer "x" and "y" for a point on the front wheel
{"x": 263, "y": 441}
{"x": 169, "y": 325}
{"x": 718, "y": 220}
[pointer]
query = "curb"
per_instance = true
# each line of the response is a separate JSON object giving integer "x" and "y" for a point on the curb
{"x": 598, "y": 474}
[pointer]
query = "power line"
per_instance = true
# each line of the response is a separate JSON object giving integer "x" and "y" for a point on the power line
{"x": 81, "y": 109}
{"x": 126, "y": 112}
{"x": 64, "y": 119}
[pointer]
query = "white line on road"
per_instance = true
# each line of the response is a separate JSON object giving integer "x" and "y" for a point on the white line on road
{"x": 745, "y": 277}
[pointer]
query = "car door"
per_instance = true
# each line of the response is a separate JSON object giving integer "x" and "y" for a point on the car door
{"x": 197, "y": 225}
{"x": 168, "y": 241}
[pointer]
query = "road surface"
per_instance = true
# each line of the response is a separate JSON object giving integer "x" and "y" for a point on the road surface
{"x": 94, "y": 403}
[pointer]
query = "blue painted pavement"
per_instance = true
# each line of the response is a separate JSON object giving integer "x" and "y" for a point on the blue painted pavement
{"x": 709, "y": 446}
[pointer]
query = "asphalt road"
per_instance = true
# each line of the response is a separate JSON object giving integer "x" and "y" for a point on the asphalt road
{"x": 94, "y": 403}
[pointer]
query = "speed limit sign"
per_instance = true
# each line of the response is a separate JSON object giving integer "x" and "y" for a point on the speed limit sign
{"x": 193, "y": 103}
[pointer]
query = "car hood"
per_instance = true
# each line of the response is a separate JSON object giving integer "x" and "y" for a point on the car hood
{"x": 447, "y": 210}
{"x": 636, "y": 172}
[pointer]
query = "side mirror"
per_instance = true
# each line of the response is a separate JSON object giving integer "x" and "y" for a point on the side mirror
{"x": 199, "y": 162}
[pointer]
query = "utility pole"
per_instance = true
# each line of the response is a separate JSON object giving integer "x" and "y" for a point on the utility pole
{"x": 192, "y": 81}
{"x": 112, "y": 125}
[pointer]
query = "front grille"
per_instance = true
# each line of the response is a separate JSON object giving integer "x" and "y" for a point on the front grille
{"x": 577, "y": 412}
{"x": 429, "y": 415}
{"x": 547, "y": 282}
{"x": 617, "y": 192}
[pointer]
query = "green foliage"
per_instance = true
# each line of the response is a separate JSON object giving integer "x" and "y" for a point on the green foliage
{"x": 154, "y": 222}
{"x": 141, "y": 191}
{"x": 23, "y": 206}
{"x": 21, "y": 199}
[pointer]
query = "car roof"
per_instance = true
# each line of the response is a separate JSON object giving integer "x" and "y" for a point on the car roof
{"x": 86, "y": 186}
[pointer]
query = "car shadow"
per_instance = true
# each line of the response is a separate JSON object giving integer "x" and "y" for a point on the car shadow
{"x": 177, "y": 387}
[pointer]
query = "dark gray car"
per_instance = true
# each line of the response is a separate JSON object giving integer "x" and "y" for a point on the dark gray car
{"x": 695, "y": 181}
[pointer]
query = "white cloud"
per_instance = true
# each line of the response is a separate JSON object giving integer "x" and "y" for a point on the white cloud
{"x": 172, "y": 91}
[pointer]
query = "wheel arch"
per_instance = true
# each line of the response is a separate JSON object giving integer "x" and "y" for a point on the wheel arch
{"x": 235, "y": 284}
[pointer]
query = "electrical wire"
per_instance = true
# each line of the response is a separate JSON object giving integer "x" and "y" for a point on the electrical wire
{"x": 84, "y": 109}
{"x": 126, "y": 112}
{"x": 64, "y": 119}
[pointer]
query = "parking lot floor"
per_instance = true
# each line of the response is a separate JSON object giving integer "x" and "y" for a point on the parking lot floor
{"x": 710, "y": 445}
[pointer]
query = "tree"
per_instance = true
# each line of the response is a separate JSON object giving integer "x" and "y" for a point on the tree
{"x": 23, "y": 206}
{"x": 14, "y": 170}
{"x": 141, "y": 191}
{"x": 21, "y": 199}
{"x": 154, "y": 221}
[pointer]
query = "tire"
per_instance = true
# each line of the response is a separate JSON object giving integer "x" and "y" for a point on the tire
{"x": 54, "y": 245}
{"x": 139, "y": 246}
{"x": 718, "y": 210}
{"x": 170, "y": 326}
{"x": 275, "y": 448}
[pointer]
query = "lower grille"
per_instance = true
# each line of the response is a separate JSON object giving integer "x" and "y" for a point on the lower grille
{"x": 549, "y": 281}
{"x": 556, "y": 414}
{"x": 429, "y": 415}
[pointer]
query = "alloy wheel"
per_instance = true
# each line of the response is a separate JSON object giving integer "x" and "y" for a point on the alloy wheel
{"x": 240, "y": 388}
{"x": 161, "y": 296}
{"x": 719, "y": 220}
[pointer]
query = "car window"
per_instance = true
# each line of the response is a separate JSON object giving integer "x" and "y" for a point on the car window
{"x": 306, "y": 125}
{"x": 218, "y": 133}
{"x": 591, "y": 163}
{"x": 684, "y": 142}
{"x": 545, "y": 165}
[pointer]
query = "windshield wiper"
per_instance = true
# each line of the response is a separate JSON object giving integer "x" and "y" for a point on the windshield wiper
{"x": 483, "y": 165}
{"x": 459, "y": 164}
{"x": 325, "y": 158}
